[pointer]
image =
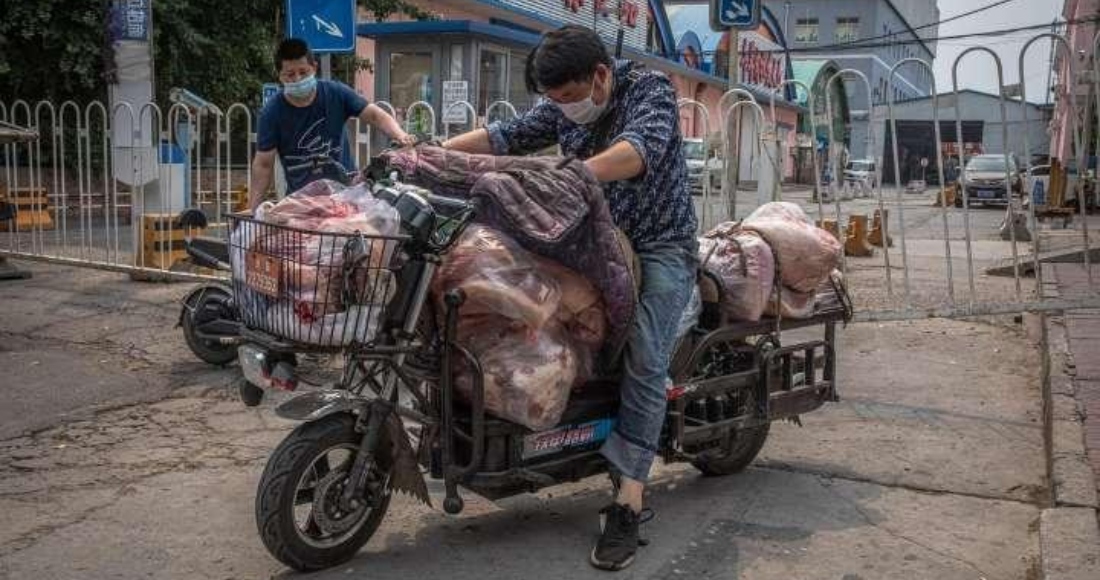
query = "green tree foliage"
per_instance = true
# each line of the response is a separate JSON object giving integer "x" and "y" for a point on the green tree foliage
{"x": 219, "y": 50}
{"x": 223, "y": 50}
{"x": 60, "y": 49}
{"x": 383, "y": 9}
{"x": 53, "y": 49}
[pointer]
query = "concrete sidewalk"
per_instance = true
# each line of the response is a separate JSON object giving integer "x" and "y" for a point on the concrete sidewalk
{"x": 931, "y": 467}
{"x": 1069, "y": 530}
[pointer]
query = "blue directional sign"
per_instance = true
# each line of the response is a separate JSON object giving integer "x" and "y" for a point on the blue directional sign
{"x": 327, "y": 25}
{"x": 741, "y": 14}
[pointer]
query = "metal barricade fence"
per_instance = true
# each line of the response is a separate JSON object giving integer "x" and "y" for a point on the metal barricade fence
{"x": 101, "y": 175}
{"x": 705, "y": 172}
{"x": 1006, "y": 252}
{"x": 103, "y": 187}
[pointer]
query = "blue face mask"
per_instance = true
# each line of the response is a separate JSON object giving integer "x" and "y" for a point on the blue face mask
{"x": 301, "y": 89}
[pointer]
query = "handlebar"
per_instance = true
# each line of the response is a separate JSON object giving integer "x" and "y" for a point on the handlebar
{"x": 449, "y": 205}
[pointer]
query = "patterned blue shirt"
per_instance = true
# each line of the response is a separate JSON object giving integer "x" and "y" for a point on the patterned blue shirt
{"x": 655, "y": 206}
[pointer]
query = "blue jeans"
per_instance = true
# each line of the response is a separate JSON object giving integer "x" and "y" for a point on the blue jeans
{"x": 667, "y": 276}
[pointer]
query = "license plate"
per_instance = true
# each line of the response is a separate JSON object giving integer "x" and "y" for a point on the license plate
{"x": 987, "y": 193}
{"x": 569, "y": 436}
{"x": 262, "y": 273}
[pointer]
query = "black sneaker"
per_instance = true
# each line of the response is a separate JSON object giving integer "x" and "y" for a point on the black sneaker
{"x": 620, "y": 540}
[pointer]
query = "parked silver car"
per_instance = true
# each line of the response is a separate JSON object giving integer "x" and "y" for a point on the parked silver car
{"x": 985, "y": 180}
{"x": 699, "y": 167}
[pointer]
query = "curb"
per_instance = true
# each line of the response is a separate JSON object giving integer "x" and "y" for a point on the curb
{"x": 1069, "y": 532}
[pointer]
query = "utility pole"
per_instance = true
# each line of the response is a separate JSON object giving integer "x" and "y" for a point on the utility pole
{"x": 787, "y": 21}
{"x": 733, "y": 137}
{"x": 1050, "y": 60}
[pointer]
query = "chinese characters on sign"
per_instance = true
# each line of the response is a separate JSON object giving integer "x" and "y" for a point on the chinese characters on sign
{"x": 135, "y": 19}
{"x": 762, "y": 63}
{"x": 628, "y": 10}
{"x": 455, "y": 92}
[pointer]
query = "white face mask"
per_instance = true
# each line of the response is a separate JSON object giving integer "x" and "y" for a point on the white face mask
{"x": 584, "y": 111}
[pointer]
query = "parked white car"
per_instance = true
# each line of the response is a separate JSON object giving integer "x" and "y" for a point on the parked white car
{"x": 860, "y": 173}
{"x": 1038, "y": 186}
{"x": 699, "y": 167}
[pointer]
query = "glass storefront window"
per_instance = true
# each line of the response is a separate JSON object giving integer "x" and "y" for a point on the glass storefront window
{"x": 517, "y": 84}
{"x": 457, "y": 55}
{"x": 492, "y": 78}
{"x": 411, "y": 81}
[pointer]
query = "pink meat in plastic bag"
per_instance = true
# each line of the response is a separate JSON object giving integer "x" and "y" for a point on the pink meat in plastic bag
{"x": 806, "y": 254}
{"x": 581, "y": 310}
{"x": 744, "y": 266}
{"x": 498, "y": 277}
{"x": 308, "y": 207}
{"x": 793, "y": 304}
{"x": 527, "y": 377}
{"x": 312, "y": 281}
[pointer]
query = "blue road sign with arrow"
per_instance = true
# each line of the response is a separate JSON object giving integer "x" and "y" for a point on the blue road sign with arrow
{"x": 741, "y": 14}
{"x": 327, "y": 25}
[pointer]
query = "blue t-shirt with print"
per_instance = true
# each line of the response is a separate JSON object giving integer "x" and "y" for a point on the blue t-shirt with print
{"x": 311, "y": 141}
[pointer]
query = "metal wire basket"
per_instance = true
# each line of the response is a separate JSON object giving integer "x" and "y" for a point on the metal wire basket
{"x": 321, "y": 290}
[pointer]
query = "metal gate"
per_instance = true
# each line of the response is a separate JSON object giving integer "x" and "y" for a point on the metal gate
{"x": 909, "y": 253}
{"x": 102, "y": 189}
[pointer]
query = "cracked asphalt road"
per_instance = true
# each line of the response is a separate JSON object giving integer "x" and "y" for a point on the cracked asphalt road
{"x": 123, "y": 457}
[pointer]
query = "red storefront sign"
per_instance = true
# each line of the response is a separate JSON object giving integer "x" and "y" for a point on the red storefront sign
{"x": 628, "y": 10}
{"x": 762, "y": 63}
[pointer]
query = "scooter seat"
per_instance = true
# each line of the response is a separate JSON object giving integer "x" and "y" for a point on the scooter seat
{"x": 208, "y": 250}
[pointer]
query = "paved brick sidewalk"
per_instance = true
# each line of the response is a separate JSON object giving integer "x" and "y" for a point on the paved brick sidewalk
{"x": 1083, "y": 330}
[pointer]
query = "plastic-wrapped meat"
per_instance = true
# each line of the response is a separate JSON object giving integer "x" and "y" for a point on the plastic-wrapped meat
{"x": 581, "y": 310}
{"x": 326, "y": 283}
{"x": 534, "y": 325}
{"x": 744, "y": 266}
{"x": 527, "y": 378}
{"x": 311, "y": 273}
{"x": 355, "y": 324}
{"x": 308, "y": 207}
{"x": 793, "y": 304}
{"x": 806, "y": 254}
{"x": 498, "y": 277}
{"x": 805, "y": 304}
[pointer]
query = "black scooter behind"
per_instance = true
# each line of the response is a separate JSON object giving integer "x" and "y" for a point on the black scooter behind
{"x": 209, "y": 318}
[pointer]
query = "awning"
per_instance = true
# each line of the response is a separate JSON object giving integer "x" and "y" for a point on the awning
{"x": 422, "y": 28}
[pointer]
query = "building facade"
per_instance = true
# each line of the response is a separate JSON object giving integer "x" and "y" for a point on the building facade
{"x": 870, "y": 36}
{"x": 1079, "y": 102}
{"x": 475, "y": 51}
{"x": 977, "y": 113}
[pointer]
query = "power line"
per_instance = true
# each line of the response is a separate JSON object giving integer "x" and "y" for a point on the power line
{"x": 810, "y": 50}
{"x": 860, "y": 42}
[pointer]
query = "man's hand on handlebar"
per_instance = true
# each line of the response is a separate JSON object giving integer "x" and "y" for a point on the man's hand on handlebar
{"x": 405, "y": 140}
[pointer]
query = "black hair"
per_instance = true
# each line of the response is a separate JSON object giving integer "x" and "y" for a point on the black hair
{"x": 292, "y": 49}
{"x": 568, "y": 54}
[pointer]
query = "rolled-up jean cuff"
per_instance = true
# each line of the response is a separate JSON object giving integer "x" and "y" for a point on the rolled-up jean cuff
{"x": 631, "y": 460}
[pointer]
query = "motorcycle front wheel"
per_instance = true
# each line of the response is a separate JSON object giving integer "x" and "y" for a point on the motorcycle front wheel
{"x": 298, "y": 511}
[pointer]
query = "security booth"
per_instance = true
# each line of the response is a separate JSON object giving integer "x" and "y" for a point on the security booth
{"x": 443, "y": 62}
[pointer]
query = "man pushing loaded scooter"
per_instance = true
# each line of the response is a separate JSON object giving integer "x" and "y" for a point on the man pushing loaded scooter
{"x": 623, "y": 120}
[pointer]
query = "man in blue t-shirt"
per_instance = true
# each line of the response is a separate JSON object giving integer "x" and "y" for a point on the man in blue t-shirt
{"x": 305, "y": 125}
